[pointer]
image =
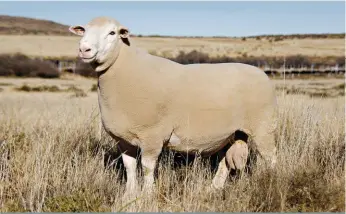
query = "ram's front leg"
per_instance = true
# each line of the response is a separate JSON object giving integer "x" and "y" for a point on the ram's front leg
{"x": 149, "y": 162}
{"x": 130, "y": 164}
{"x": 150, "y": 150}
{"x": 129, "y": 156}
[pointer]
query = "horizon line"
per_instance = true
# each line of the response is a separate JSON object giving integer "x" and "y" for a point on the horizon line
{"x": 191, "y": 36}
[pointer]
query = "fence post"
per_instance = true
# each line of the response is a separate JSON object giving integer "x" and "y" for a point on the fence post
{"x": 74, "y": 67}
{"x": 59, "y": 66}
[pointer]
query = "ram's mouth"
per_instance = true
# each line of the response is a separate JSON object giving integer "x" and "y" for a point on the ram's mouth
{"x": 88, "y": 59}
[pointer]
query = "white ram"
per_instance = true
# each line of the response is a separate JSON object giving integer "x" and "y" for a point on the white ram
{"x": 148, "y": 102}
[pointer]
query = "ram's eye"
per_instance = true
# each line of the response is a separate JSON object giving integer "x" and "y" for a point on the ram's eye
{"x": 112, "y": 33}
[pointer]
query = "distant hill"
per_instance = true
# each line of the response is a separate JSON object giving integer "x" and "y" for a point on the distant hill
{"x": 13, "y": 25}
{"x": 280, "y": 37}
{"x": 273, "y": 37}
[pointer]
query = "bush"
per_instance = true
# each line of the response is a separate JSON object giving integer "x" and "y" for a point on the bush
{"x": 298, "y": 60}
{"x": 192, "y": 57}
{"x": 23, "y": 66}
{"x": 273, "y": 61}
{"x": 301, "y": 36}
{"x": 278, "y": 38}
{"x": 77, "y": 92}
{"x": 80, "y": 93}
{"x": 74, "y": 202}
{"x": 42, "y": 88}
{"x": 84, "y": 69}
{"x": 93, "y": 87}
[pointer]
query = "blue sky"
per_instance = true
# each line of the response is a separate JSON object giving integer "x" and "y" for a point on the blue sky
{"x": 194, "y": 18}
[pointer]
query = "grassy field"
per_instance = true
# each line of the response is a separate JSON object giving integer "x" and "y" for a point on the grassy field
{"x": 51, "y": 161}
{"x": 67, "y": 46}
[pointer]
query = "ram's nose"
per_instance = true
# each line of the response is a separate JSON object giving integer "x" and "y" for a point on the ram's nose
{"x": 86, "y": 51}
{"x": 84, "y": 48}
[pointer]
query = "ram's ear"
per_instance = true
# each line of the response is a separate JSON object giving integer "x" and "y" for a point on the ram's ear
{"x": 124, "y": 32}
{"x": 78, "y": 30}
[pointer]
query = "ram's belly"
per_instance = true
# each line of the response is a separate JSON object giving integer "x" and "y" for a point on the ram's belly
{"x": 204, "y": 146}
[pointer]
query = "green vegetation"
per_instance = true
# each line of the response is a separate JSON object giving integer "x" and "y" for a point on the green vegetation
{"x": 42, "y": 88}
{"x": 76, "y": 92}
{"x": 74, "y": 202}
{"x": 5, "y": 84}
{"x": 93, "y": 87}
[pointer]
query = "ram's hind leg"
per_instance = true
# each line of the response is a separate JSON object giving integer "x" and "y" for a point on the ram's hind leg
{"x": 264, "y": 138}
{"x": 221, "y": 173}
{"x": 265, "y": 144}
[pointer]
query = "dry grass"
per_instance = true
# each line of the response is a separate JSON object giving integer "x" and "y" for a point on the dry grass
{"x": 65, "y": 82}
{"x": 49, "y": 160}
{"x": 322, "y": 87}
{"x": 67, "y": 46}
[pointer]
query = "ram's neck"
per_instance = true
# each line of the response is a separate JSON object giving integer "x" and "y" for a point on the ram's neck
{"x": 132, "y": 78}
{"x": 109, "y": 79}
{"x": 101, "y": 68}
{"x": 132, "y": 92}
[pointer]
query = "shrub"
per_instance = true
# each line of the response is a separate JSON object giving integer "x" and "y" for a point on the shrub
{"x": 84, "y": 69}
{"x": 192, "y": 57}
{"x": 5, "y": 84}
{"x": 77, "y": 92}
{"x": 74, "y": 202}
{"x": 42, "y": 88}
{"x": 24, "y": 88}
{"x": 298, "y": 60}
{"x": 93, "y": 87}
{"x": 278, "y": 38}
{"x": 273, "y": 61}
{"x": 80, "y": 93}
{"x": 23, "y": 66}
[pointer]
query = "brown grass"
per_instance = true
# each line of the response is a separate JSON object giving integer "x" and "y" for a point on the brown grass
{"x": 67, "y": 82}
{"x": 67, "y": 46}
{"x": 49, "y": 160}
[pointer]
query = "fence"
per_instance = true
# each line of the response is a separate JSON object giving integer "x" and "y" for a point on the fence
{"x": 70, "y": 66}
